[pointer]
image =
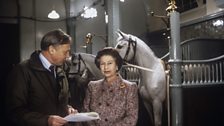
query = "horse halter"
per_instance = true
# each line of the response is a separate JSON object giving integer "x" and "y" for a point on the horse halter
{"x": 80, "y": 60}
{"x": 133, "y": 44}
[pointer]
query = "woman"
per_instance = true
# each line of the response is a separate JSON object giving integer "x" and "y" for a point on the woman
{"x": 115, "y": 99}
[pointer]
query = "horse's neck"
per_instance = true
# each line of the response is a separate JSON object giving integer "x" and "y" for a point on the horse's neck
{"x": 145, "y": 56}
{"x": 88, "y": 58}
{"x": 90, "y": 64}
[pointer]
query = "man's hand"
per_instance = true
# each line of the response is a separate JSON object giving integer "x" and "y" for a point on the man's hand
{"x": 55, "y": 120}
{"x": 71, "y": 110}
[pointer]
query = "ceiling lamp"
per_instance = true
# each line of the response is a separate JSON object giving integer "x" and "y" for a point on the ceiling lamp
{"x": 53, "y": 15}
{"x": 89, "y": 13}
{"x": 106, "y": 17}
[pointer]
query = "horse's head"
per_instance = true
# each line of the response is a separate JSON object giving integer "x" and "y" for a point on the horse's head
{"x": 75, "y": 66}
{"x": 126, "y": 46}
{"x": 82, "y": 66}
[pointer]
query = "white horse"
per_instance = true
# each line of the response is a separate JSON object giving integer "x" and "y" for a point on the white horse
{"x": 152, "y": 87}
{"x": 80, "y": 69}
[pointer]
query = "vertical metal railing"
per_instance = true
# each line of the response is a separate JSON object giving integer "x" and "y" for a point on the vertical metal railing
{"x": 130, "y": 73}
{"x": 203, "y": 72}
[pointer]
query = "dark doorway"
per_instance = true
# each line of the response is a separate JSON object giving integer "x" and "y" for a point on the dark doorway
{"x": 10, "y": 55}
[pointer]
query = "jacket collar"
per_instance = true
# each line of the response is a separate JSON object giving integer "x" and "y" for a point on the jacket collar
{"x": 35, "y": 62}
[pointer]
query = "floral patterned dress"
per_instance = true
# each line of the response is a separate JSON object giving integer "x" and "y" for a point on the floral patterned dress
{"x": 117, "y": 103}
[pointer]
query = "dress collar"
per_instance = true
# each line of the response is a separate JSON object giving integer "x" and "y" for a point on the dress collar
{"x": 116, "y": 83}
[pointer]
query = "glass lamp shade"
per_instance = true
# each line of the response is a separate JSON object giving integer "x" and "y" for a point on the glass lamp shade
{"x": 53, "y": 15}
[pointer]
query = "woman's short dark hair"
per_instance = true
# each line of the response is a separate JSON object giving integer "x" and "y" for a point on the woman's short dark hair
{"x": 55, "y": 37}
{"x": 111, "y": 52}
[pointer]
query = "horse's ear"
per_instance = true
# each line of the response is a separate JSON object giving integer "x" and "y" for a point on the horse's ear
{"x": 122, "y": 34}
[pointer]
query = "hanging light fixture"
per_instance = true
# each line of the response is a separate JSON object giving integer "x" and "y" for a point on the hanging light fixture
{"x": 53, "y": 15}
{"x": 89, "y": 12}
{"x": 106, "y": 17}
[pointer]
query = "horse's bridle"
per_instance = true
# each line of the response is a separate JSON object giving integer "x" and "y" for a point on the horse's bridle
{"x": 80, "y": 60}
{"x": 79, "y": 65}
{"x": 133, "y": 44}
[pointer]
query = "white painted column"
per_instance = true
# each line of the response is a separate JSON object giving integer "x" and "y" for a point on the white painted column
{"x": 113, "y": 11}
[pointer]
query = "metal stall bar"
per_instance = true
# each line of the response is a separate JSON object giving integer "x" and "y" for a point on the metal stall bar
{"x": 175, "y": 63}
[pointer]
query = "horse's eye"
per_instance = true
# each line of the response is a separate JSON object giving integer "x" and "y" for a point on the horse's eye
{"x": 119, "y": 46}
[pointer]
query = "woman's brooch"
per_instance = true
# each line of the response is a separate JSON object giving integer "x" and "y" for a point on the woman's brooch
{"x": 123, "y": 85}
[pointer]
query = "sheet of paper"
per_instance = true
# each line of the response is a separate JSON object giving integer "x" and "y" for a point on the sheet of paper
{"x": 81, "y": 117}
